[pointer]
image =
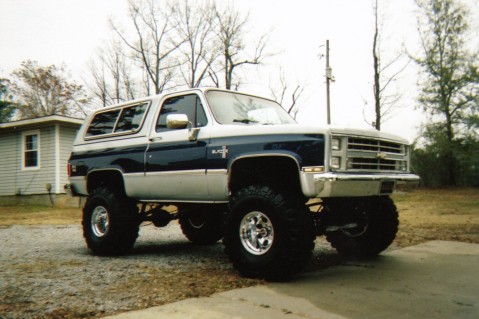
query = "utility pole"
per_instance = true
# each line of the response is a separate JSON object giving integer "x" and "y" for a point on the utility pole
{"x": 329, "y": 78}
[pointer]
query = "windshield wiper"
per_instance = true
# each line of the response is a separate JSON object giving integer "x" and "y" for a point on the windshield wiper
{"x": 245, "y": 121}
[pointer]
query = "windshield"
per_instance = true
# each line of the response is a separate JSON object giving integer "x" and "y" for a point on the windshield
{"x": 236, "y": 108}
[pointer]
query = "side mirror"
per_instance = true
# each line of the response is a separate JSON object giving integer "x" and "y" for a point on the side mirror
{"x": 177, "y": 121}
{"x": 180, "y": 121}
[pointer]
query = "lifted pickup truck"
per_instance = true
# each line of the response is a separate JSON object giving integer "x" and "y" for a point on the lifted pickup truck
{"x": 237, "y": 167}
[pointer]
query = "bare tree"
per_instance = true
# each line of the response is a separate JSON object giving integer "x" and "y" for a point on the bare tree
{"x": 384, "y": 102}
{"x": 231, "y": 28}
{"x": 283, "y": 93}
{"x": 98, "y": 85}
{"x": 112, "y": 75}
{"x": 153, "y": 42}
{"x": 199, "y": 51}
{"x": 43, "y": 91}
{"x": 170, "y": 44}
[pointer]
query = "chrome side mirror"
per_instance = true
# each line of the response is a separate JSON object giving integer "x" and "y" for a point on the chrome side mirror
{"x": 180, "y": 121}
{"x": 177, "y": 121}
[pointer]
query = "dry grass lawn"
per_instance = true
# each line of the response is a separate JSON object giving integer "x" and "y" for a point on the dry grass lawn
{"x": 36, "y": 215}
{"x": 441, "y": 214}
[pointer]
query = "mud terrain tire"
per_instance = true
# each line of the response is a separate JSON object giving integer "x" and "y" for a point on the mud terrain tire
{"x": 204, "y": 225}
{"x": 377, "y": 220}
{"x": 110, "y": 222}
{"x": 268, "y": 235}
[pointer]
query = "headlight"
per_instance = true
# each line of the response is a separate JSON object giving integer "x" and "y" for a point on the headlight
{"x": 335, "y": 144}
{"x": 335, "y": 162}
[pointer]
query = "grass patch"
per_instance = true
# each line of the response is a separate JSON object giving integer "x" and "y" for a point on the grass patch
{"x": 438, "y": 214}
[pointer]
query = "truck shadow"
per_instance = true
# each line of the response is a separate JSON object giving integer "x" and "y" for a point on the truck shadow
{"x": 176, "y": 248}
{"x": 323, "y": 257}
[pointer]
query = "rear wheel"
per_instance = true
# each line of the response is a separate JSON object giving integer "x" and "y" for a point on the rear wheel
{"x": 268, "y": 235}
{"x": 363, "y": 227}
{"x": 110, "y": 222}
{"x": 203, "y": 224}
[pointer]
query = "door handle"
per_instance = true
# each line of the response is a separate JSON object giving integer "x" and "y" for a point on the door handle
{"x": 156, "y": 139}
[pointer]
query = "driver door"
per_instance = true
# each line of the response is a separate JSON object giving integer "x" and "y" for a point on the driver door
{"x": 175, "y": 167}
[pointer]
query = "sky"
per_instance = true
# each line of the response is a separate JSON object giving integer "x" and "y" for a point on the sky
{"x": 71, "y": 31}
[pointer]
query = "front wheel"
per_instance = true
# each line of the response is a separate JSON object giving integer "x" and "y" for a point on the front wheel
{"x": 363, "y": 227}
{"x": 110, "y": 222}
{"x": 268, "y": 235}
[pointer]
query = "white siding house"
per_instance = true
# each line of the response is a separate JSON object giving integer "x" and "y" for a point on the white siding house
{"x": 34, "y": 155}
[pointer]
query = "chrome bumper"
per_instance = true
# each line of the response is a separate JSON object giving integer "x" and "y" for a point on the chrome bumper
{"x": 354, "y": 185}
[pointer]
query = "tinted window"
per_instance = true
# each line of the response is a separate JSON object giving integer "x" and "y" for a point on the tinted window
{"x": 187, "y": 104}
{"x": 131, "y": 118}
{"x": 103, "y": 123}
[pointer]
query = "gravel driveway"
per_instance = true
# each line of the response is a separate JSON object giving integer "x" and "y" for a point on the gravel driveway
{"x": 47, "y": 272}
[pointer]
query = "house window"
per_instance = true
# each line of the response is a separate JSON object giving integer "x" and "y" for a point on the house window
{"x": 31, "y": 150}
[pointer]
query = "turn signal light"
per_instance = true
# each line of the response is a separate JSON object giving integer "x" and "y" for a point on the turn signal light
{"x": 313, "y": 169}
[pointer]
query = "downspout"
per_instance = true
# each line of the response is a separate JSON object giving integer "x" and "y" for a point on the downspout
{"x": 18, "y": 159}
{"x": 57, "y": 159}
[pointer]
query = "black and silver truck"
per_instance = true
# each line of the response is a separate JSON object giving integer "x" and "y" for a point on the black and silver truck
{"x": 238, "y": 167}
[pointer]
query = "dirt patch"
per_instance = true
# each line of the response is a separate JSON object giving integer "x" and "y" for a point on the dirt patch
{"x": 47, "y": 272}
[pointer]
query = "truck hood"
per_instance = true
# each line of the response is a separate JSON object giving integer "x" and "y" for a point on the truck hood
{"x": 335, "y": 130}
{"x": 236, "y": 130}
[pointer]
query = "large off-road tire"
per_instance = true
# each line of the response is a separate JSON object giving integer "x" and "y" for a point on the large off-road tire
{"x": 203, "y": 224}
{"x": 268, "y": 235}
{"x": 376, "y": 224}
{"x": 110, "y": 222}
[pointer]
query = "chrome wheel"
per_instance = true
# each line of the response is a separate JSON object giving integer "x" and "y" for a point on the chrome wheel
{"x": 99, "y": 221}
{"x": 256, "y": 233}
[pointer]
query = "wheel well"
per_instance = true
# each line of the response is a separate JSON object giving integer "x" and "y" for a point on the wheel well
{"x": 112, "y": 179}
{"x": 280, "y": 173}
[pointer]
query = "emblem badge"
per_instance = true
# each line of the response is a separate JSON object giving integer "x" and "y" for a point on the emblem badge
{"x": 381, "y": 155}
{"x": 223, "y": 151}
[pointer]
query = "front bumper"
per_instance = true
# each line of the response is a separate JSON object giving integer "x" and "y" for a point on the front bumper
{"x": 354, "y": 185}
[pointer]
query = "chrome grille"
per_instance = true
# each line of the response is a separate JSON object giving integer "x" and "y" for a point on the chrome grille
{"x": 372, "y": 145}
{"x": 368, "y": 154}
{"x": 376, "y": 164}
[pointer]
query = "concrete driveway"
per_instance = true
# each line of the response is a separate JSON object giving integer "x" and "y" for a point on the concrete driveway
{"x": 437, "y": 279}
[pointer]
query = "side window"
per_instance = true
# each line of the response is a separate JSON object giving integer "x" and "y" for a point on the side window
{"x": 121, "y": 120}
{"x": 103, "y": 123}
{"x": 187, "y": 104}
{"x": 131, "y": 118}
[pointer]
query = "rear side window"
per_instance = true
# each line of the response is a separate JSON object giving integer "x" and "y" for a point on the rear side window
{"x": 103, "y": 123}
{"x": 127, "y": 119}
{"x": 131, "y": 118}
